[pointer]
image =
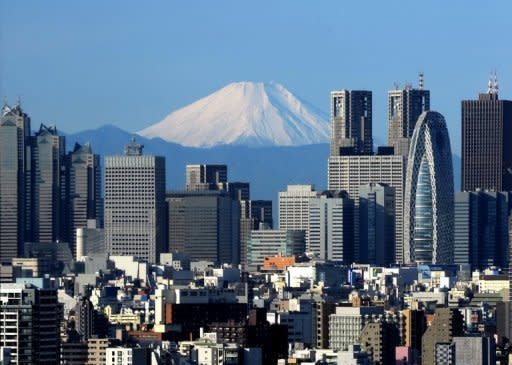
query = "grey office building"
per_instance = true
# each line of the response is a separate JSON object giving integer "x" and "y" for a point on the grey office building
{"x": 84, "y": 190}
{"x": 486, "y": 142}
{"x": 48, "y": 185}
{"x": 135, "y": 204}
{"x": 481, "y": 228}
{"x": 477, "y": 350}
{"x": 205, "y": 177}
{"x": 204, "y": 225}
{"x": 351, "y": 121}
{"x": 331, "y": 228}
{"x": 404, "y": 108}
{"x": 252, "y": 214}
{"x": 349, "y": 173}
{"x": 377, "y": 224}
{"x": 14, "y": 176}
{"x": 273, "y": 242}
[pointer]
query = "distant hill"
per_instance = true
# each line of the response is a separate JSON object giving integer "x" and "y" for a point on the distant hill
{"x": 268, "y": 169}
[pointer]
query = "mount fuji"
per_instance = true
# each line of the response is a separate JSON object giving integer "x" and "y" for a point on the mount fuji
{"x": 252, "y": 114}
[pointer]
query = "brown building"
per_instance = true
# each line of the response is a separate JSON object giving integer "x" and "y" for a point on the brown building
{"x": 446, "y": 324}
{"x": 379, "y": 340}
{"x": 320, "y": 332}
{"x": 486, "y": 145}
{"x": 413, "y": 326}
{"x": 97, "y": 350}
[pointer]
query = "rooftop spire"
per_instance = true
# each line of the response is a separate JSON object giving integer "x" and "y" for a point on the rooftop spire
{"x": 492, "y": 85}
{"x": 420, "y": 81}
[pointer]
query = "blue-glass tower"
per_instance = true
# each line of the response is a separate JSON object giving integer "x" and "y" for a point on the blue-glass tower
{"x": 428, "y": 220}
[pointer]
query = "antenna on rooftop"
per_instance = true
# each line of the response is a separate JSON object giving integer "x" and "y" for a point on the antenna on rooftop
{"x": 420, "y": 81}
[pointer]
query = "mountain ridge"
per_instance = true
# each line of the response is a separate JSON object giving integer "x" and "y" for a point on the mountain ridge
{"x": 244, "y": 113}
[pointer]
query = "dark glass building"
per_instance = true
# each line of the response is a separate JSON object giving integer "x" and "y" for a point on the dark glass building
{"x": 351, "y": 121}
{"x": 487, "y": 142}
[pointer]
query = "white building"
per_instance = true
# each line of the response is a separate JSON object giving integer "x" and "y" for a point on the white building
{"x": 346, "y": 324}
{"x": 294, "y": 207}
{"x": 349, "y": 173}
{"x": 126, "y": 356}
{"x": 135, "y": 204}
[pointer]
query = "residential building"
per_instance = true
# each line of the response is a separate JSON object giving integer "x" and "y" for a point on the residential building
{"x": 346, "y": 324}
{"x": 428, "y": 218}
{"x": 30, "y": 323}
{"x": 447, "y": 324}
{"x": 475, "y": 350}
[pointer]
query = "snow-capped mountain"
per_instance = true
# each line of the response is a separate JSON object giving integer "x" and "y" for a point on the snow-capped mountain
{"x": 244, "y": 113}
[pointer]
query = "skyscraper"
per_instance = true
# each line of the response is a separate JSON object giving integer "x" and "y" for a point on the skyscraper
{"x": 205, "y": 177}
{"x": 84, "y": 190}
{"x": 349, "y": 173}
{"x": 481, "y": 228}
{"x": 404, "y": 107}
{"x": 428, "y": 218}
{"x": 377, "y": 224}
{"x": 135, "y": 204}
{"x": 30, "y": 323}
{"x": 351, "y": 121}
{"x": 49, "y": 185}
{"x": 294, "y": 207}
{"x": 204, "y": 225}
{"x": 331, "y": 228}
{"x": 486, "y": 145}
{"x": 252, "y": 214}
{"x": 14, "y": 168}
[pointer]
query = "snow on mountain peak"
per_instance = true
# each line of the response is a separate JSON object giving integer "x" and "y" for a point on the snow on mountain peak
{"x": 244, "y": 113}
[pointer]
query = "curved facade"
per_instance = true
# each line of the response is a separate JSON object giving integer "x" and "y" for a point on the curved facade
{"x": 428, "y": 208}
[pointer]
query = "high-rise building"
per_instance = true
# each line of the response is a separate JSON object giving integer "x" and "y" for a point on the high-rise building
{"x": 273, "y": 242}
{"x": 294, "y": 207}
{"x": 205, "y": 177}
{"x": 351, "y": 121}
{"x": 135, "y": 204}
{"x": 447, "y": 323}
{"x": 486, "y": 147}
{"x": 331, "y": 230}
{"x": 481, "y": 228}
{"x": 84, "y": 190}
{"x": 204, "y": 225}
{"x": 252, "y": 214}
{"x": 404, "y": 108}
{"x": 49, "y": 185}
{"x": 428, "y": 218}
{"x": 14, "y": 168}
{"x": 349, "y": 173}
{"x": 379, "y": 340}
{"x": 377, "y": 224}
{"x": 29, "y": 323}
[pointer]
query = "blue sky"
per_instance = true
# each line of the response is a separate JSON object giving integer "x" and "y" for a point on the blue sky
{"x": 82, "y": 64}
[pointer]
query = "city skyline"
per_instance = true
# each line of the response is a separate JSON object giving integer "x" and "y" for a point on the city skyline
{"x": 146, "y": 78}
